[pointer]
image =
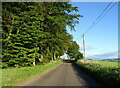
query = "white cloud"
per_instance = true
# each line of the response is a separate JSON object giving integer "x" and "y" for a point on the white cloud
{"x": 107, "y": 55}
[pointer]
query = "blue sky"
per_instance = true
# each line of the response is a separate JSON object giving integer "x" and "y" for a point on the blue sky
{"x": 102, "y": 40}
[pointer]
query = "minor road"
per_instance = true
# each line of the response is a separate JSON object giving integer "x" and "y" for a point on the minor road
{"x": 65, "y": 75}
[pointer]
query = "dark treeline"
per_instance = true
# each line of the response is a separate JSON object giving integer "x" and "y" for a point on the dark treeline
{"x": 36, "y": 31}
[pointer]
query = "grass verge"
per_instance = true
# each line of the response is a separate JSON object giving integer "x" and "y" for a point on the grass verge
{"x": 108, "y": 74}
{"x": 13, "y": 76}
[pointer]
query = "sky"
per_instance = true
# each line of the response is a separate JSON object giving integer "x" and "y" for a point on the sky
{"x": 102, "y": 40}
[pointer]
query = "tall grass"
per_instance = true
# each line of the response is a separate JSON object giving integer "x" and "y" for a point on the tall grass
{"x": 107, "y": 73}
{"x": 13, "y": 76}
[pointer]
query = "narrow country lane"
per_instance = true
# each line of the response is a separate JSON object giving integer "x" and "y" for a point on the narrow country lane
{"x": 65, "y": 75}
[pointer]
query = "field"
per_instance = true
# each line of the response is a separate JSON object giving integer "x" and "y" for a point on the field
{"x": 102, "y": 63}
{"x": 105, "y": 72}
{"x": 13, "y": 76}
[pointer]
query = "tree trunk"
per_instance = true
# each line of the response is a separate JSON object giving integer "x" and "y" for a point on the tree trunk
{"x": 17, "y": 31}
{"x": 41, "y": 56}
{"x": 54, "y": 57}
{"x": 58, "y": 56}
{"x": 34, "y": 63}
{"x": 10, "y": 30}
{"x": 34, "y": 60}
{"x": 9, "y": 34}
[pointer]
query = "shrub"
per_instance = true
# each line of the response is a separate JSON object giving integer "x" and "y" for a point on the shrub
{"x": 108, "y": 76}
{"x": 4, "y": 65}
{"x": 44, "y": 61}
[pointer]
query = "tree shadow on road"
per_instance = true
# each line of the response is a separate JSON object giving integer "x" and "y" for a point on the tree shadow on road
{"x": 85, "y": 78}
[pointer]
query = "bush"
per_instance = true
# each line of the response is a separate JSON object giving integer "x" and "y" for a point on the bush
{"x": 4, "y": 65}
{"x": 26, "y": 64}
{"x": 44, "y": 61}
{"x": 59, "y": 59}
{"x": 108, "y": 76}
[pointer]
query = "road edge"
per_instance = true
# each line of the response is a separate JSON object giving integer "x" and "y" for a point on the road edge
{"x": 26, "y": 81}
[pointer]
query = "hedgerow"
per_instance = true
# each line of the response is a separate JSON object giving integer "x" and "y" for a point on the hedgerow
{"x": 107, "y": 76}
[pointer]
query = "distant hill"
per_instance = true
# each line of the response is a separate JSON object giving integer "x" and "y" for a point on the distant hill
{"x": 104, "y": 59}
{"x": 112, "y": 59}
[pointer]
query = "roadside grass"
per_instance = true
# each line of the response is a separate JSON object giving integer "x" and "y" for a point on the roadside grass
{"x": 105, "y": 72}
{"x": 13, "y": 76}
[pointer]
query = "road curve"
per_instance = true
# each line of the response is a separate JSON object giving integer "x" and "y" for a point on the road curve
{"x": 64, "y": 75}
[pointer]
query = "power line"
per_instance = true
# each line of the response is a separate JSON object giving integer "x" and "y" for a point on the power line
{"x": 79, "y": 37}
{"x": 101, "y": 17}
{"x": 107, "y": 11}
{"x": 103, "y": 11}
{"x": 98, "y": 18}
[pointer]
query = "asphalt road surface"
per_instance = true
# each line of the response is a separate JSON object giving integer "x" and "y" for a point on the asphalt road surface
{"x": 64, "y": 75}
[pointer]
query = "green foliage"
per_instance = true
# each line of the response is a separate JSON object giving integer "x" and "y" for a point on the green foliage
{"x": 33, "y": 30}
{"x": 73, "y": 51}
{"x": 107, "y": 75}
{"x": 79, "y": 55}
{"x": 4, "y": 65}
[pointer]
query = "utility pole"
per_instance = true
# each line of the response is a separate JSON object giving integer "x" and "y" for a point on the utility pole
{"x": 84, "y": 45}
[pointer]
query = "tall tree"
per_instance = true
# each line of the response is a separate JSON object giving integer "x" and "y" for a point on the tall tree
{"x": 34, "y": 30}
{"x": 73, "y": 51}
